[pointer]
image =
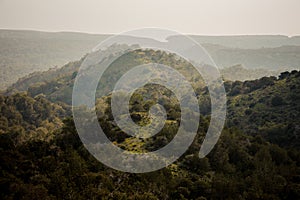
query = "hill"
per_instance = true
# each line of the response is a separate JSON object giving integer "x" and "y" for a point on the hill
{"x": 249, "y": 41}
{"x": 243, "y": 164}
{"x": 241, "y": 73}
{"x": 256, "y": 157}
{"x": 277, "y": 58}
{"x": 25, "y": 52}
{"x": 268, "y": 107}
{"x": 269, "y": 103}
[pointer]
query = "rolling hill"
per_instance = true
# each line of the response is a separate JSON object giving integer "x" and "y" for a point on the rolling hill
{"x": 269, "y": 103}
{"x": 25, "y": 52}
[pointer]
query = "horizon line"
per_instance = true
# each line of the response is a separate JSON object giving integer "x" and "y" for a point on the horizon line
{"x": 97, "y": 33}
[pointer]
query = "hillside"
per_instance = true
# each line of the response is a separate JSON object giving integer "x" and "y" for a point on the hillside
{"x": 23, "y": 117}
{"x": 244, "y": 164}
{"x": 233, "y": 73}
{"x": 257, "y": 97}
{"x": 256, "y": 157}
{"x": 269, "y": 107}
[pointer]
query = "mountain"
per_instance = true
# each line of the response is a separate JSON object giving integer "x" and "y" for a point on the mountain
{"x": 277, "y": 58}
{"x": 249, "y": 41}
{"x": 241, "y": 73}
{"x": 25, "y": 52}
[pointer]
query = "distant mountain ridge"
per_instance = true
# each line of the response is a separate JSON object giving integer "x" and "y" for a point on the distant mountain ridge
{"x": 249, "y": 41}
{"x": 241, "y": 73}
{"x": 23, "y": 52}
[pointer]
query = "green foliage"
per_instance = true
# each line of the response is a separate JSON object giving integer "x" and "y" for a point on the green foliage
{"x": 267, "y": 107}
{"x": 23, "y": 117}
{"x": 239, "y": 167}
{"x": 257, "y": 156}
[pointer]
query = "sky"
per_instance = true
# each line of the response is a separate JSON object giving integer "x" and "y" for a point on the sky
{"x": 201, "y": 17}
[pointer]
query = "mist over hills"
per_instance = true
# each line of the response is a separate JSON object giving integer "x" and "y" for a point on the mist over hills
{"x": 278, "y": 58}
{"x": 24, "y": 52}
{"x": 241, "y": 73}
{"x": 249, "y": 41}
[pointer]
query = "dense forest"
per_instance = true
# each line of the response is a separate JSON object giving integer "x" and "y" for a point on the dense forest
{"x": 257, "y": 156}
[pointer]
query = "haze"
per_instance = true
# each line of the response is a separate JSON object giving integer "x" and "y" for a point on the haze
{"x": 202, "y": 17}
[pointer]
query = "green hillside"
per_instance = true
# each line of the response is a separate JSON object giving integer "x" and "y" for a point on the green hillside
{"x": 256, "y": 157}
{"x": 267, "y": 106}
{"x": 243, "y": 164}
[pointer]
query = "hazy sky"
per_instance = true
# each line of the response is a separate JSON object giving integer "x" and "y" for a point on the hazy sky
{"x": 203, "y": 17}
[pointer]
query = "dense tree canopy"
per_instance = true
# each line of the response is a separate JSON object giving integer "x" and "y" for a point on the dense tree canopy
{"x": 257, "y": 156}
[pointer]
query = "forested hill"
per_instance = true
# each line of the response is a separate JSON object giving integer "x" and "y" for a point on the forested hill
{"x": 42, "y": 158}
{"x": 268, "y": 106}
{"x": 257, "y": 156}
{"x": 50, "y": 81}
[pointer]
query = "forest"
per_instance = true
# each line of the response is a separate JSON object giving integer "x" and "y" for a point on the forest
{"x": 257, "y": 156}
